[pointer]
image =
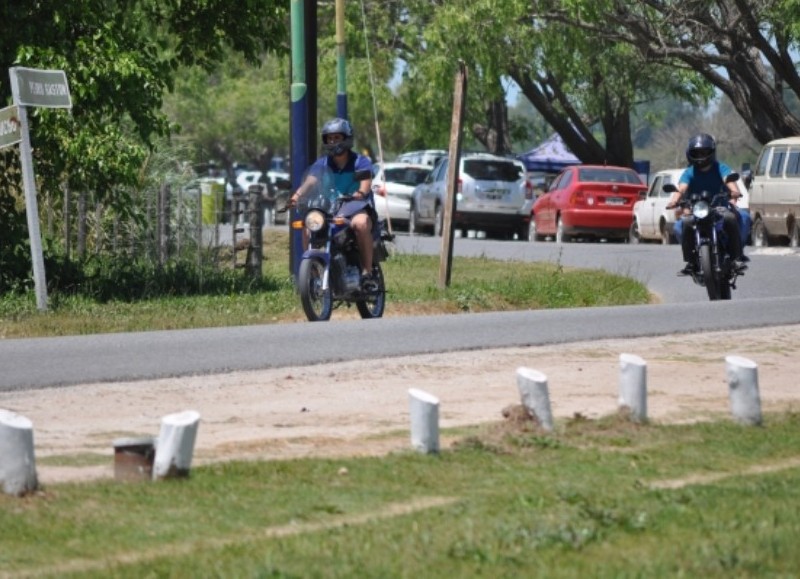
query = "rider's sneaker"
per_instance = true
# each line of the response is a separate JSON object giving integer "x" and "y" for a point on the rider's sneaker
{"x": 368, "y": 283}
{"x": 739, "y": 265}
{"x": 688, "y": 269}
{"x": 744, "y": 258}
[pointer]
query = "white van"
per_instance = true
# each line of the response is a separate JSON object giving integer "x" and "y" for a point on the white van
{"x": 775, "y": 193}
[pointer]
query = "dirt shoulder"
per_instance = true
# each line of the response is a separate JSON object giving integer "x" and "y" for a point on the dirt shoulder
{"x": 361, "y": 408}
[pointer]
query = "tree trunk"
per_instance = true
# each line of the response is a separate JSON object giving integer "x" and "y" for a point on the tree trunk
{"x": 82, "y": 224}
{"x": 163, "y": 223}
{"x": 67, "y": 219}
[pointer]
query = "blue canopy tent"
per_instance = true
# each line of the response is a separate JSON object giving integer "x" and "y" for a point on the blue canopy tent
{"x": 549, "y": 157}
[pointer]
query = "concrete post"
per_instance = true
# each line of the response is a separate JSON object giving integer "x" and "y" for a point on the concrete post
{"x": 17, "y": 462}
{"x": 424, "y": 410}
{"x": 633, "y": 386}
{"x": 743, "y": 390}
{"x": 532, "y": 386}
{"x": 175, "y": 445}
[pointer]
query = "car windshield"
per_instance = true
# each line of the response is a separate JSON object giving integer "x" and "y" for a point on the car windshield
{"x": 406, "y": 175}
{"x": 602, "y": 175}
{"x": 487, "y": 170}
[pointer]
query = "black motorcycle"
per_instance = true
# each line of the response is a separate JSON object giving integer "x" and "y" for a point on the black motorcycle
{"x": 713, "y": 264}
{"x": 329, "y": 274}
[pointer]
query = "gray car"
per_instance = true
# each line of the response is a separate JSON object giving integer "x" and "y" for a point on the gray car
{"x": 493, "y": 195}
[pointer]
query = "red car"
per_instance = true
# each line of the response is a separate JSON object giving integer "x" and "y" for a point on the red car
{"x": 588, "y": 201}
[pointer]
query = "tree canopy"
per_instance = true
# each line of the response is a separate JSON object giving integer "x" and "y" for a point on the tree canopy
{"x": 120, "y": 58}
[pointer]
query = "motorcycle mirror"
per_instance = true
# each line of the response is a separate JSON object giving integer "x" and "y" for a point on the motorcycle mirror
{"x": 732, "y": 177}
{"x": 669, "y": 188}
{"x": 361, "y": 175}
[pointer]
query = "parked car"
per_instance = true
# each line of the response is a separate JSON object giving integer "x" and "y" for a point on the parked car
{"x": 775, "y": 194}
{"x": 493, "y": 195}
{"x": 652, "y": 221}
{"x": 393, "y": 184}
{"x": 427, "y": 157}
{"x": 587, "y": 201}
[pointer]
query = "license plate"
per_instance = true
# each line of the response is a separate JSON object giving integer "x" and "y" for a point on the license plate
{"x": 615, "y": 201}
{"x": 495, "y": 194}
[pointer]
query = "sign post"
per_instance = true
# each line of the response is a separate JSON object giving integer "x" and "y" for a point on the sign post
{"x": 37, "y": 88}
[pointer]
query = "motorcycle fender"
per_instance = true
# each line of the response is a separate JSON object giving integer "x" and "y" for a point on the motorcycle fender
{"x": 318, "y": 253}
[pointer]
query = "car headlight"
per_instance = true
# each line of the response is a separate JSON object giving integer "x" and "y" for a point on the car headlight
{"x": 315, "y": 220}
{"x": 700, "y": 210}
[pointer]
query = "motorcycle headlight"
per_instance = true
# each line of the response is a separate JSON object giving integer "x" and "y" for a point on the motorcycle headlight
{"x": 315, "y": 220}
{"x": 700, "y": 210}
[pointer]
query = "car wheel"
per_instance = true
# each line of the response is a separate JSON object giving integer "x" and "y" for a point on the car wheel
{"x": 666, "y": 236}
{"x": 759, "y": 234}
{"x": 412, "y": 221}
{"x": 633, "y": 232}
{"x": 794, "y": 235}
{"x": 561, "y": 237}
{"x": 532, "y": 234}
{"x": 438, "y": 221}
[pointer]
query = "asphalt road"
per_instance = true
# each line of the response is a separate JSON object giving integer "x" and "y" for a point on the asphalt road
{"x": 766, "y": 297}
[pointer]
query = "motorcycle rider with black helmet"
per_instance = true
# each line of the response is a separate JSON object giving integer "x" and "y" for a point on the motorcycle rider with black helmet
{"x": 706, "y": 173}
{"x": 349, "y": 170}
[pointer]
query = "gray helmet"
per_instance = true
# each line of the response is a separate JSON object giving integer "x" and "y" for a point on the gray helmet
{"x": 342, "y": 127}
{"x": 701, "y": 150}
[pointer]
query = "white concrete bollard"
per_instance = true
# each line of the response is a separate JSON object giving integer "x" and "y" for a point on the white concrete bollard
{"x": 633, "y": 386}
{"x": 424, "y": 410}
{"x": 743, "y": 390}
{"x": 17, "y": 461}
{"x": 175, "y": 445}
{"x": 532, "y": 386}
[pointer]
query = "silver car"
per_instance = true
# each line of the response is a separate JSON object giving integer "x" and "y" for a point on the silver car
{"x": 393, "y": 184}
{"x": 493, "y": 196}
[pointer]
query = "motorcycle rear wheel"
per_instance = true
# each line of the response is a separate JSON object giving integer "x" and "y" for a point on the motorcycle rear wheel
{"x": 373, "y": 305}
{"x": 317, "y": 303}
{"x": 710, "y": 276}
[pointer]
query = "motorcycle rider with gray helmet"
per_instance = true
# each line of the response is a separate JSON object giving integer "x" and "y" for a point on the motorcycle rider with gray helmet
{"x": 706, "y": 173}
{"x": 350, "y": 170}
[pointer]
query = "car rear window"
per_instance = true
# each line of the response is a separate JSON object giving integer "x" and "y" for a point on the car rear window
{"x": 484, "y": 170}
{"x": 608, "y": 176}
{"x": 406, "y": 176}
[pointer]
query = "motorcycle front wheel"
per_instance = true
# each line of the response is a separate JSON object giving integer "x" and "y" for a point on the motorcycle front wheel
{"x": 317, "y": 303}
{"x": 710, "y": 276}
{"x": 373, "y": 304}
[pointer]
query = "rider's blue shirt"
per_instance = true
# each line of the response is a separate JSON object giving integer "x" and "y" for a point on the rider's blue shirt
{"x": 712, "y": 180}
{"x": 344, "y": 178}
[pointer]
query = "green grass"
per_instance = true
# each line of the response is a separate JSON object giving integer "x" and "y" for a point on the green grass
{"x": 478, "y": 284}
{"x": 506, "y": 501}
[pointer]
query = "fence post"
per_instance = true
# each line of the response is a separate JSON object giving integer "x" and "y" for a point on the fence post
{"x": 743, "y": 390}
{"x": 175, "y": 445}
{"x": 17, "y": 461}
{"x": 255, "y": 251}
{"x": 633, "y": 386}
{"x": 532, "y": 386}
{"x": 424, "y": 410}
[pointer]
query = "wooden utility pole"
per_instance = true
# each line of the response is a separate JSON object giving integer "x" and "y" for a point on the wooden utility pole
{"x": 459, "y": 100}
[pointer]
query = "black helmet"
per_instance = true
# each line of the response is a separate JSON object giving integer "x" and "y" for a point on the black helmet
{"x": 342, "y": 127}
{"x": 701, "y": 150}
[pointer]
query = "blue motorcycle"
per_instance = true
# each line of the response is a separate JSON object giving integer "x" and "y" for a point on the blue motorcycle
{"x": 329, "y": 274}
{"x": 714, "y": 267}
